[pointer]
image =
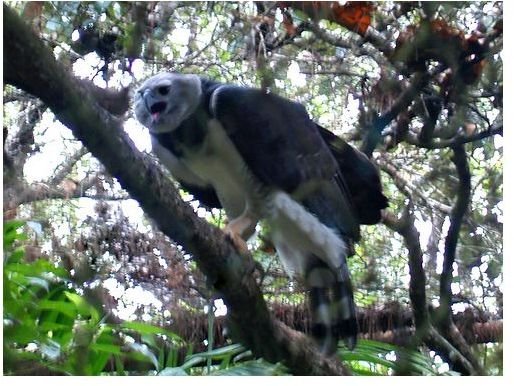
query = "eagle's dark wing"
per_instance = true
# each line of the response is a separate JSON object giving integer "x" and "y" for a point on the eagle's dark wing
{"x": 283, "y": 148}
{"x": 360, "y": 177}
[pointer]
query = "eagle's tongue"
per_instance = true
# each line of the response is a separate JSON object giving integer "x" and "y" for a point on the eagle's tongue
{"x": 155, "y": 117}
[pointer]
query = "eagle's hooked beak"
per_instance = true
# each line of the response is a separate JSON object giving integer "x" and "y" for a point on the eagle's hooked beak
{"x": 154, "y": 108}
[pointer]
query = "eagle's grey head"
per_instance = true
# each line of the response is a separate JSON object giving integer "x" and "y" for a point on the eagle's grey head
{"x": 165, "y": 100}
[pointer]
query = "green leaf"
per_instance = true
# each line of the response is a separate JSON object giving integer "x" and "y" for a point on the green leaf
{"x": 253, "y": 368}
{"x": 373, "y": 353}
{"x": 161, "y": 358}
{"x": 222, "y": 352}
{"x": 98, "y": 362}
{"x": 15, "y": 259}
{"x": 192, "y": 362}
{"x": 38, "y": 282}
{"x": 225, "y": 56}
{"x": 149, "y": 339}
{"x": 83, "y": 307}
{"x": 243, "y": 356}
{"x": 46, "y": 267}
{"x": 52, "y": 326}
{"x": 368, "y": 357}
{"x": 172, "y": 358}
{"x": 11, "y": 232}
{"x": 120, "y": 368}
{"x": 172, "y": 371}
{"x": 21, "y": 334}
{"x": 63, "y": 307}
{"x": 142, "y": 352}
{"x": 106, "y": 348}
{"x": 12, "y": 225}
{"x": 364, "y": 372}
{"x": 143, "y": 328}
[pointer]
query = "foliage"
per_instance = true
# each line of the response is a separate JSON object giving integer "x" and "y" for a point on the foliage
{"x": 378, "y": 358}
{"x": 48, "y": 322}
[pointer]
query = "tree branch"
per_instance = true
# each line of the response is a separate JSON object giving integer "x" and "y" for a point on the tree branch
{"x": 374, "y": 133}
{"x": 63, "y": 170}
{"x": 405, "y": 227}
{"x": 407, "y": 188}
{"x": 444, "y": 320}
{"x": 116, "y": 102}
{"x": 385, "y": 324}
{"x": 355, "y": 43}
{"x": 449, "y": 353}
{"x": 66, "y": 190}
{"x": 29, "y": 65}
{"x": 456, "y": 141}
{"x": 457, "y": 214}
{"x": 452, "y": 346}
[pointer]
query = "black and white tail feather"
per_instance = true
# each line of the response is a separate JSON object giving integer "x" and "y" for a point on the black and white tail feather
{"x": 332, "y": 306}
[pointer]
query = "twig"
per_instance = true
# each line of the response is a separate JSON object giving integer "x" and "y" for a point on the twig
{"x": 407, "y": 188}
{"x": 63, "y": 170}
{"x": 456, "y": 141}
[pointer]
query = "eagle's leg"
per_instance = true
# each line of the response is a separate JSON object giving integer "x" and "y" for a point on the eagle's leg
{"x": 240, "y": 229}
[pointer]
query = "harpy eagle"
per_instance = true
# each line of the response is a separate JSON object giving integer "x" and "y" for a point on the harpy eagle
{"x": 261, "y": 158}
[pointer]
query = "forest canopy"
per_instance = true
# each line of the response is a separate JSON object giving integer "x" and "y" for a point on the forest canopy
{"x": 111, "y": 268}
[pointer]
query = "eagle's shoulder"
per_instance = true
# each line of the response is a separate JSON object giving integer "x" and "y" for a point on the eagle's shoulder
{"x": 275, "y": 136}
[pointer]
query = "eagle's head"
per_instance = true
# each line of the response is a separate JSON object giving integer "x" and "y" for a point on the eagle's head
{"x": 165, "y": 100}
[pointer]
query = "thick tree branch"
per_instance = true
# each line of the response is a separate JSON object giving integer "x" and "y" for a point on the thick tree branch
{"x": 388, "y": 324}
{"x": 491, "y": 331}
{"x": 450, "y": 354}
{"x": 29, "y": 65}
{"x": 449, "y": 343}
{"x": 116, "y": 102}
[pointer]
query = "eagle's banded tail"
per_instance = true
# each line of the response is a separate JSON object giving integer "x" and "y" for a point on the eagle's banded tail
{"x": 332, "y": 305}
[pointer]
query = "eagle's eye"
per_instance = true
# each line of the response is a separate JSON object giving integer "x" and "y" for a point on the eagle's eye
{"x": 163, "y": 90}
